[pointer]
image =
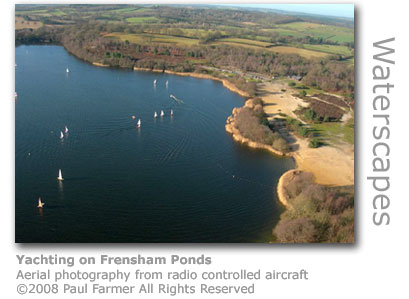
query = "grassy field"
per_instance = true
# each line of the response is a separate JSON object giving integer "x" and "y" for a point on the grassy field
{"x": 304, "y": 29}
{"x": 154, "y": 38}
{"x": 331, "y": 49}
{"x": 32, "y": 12}
{"x": 334, "y": 132}
{"x": 140, "y": 20}
{"x": 20, "y": 23}
{"x": 333, "y": 33}
{"x": 302, "y": 52}
{"x": 58, "y": 12}
{"x": 243, "y": 41}
{"x": 124, "y": 10}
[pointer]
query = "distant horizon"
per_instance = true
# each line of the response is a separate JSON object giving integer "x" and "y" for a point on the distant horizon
{"x": 330, "y": 10}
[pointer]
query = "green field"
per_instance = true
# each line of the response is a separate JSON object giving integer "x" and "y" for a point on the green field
{"x": 333, "y": 33}
{"x": 243, "y": 41}
{"x": 58, "y": 12}
{"x": 331, "y": 49}
{"x": 140, "y": 20}
{"x": 302, "y": 52}
{"x": 154, "y": 38}
{"x": 32, "y": 12}
{"x": 304, "y": 29}
{"x": 334, "y": 132}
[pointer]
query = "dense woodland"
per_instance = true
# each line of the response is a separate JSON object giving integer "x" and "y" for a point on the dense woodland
{"x": 317, "y": 214}
{"x": 252, "y": 123}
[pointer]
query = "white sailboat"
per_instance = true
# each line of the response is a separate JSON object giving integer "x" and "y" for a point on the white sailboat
{"x": 162, "y": 113}
{"x": 66, "y": 130}
{"x": 60, "y": 178}
{"x": 61, "y": 135}
{"x": 138, "y": 124}
{"x": 154, "y": 82}
{"x": 171, "y": 112}
{"x": 155, "y": 115}
{"x": 67, "y": 70}
{"x": 40, "y": 203}
{"x": 167, "y": 83}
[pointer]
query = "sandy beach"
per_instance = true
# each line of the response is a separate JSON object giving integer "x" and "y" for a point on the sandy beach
{"x": 330, "y": 165}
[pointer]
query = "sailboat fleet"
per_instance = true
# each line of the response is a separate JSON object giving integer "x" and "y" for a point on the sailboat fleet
{"x": 60, "y": 178}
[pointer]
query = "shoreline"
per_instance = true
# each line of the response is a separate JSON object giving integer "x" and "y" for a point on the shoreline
{"x": 285, "y": 178}
{"x": 240, "y": 138}
{"x": 226, "y": 83}
{"x": 298, "y": 155}
{"x": 236, "y": 135}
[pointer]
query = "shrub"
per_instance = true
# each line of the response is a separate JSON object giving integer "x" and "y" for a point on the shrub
{"x": 265, "y": 122}
{"x": 310, "y": 114}
{"x": 303, "y": 131}
{"x": 303, "y": 93}
{"x": 291, "y": 84}
{"x": 281, "y": 145}
{"x": 314, "y": 143}
{"x": 301, "y": 230}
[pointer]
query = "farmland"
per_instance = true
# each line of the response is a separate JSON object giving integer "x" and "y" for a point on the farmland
{"x": 20, "y": 23}
{"x": 188, "y": 38}
{"x": 154, "y": 38}
{"x": 255, "y": 32}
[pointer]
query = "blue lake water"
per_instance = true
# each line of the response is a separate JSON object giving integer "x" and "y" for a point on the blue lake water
{"x": 176, "y": 179}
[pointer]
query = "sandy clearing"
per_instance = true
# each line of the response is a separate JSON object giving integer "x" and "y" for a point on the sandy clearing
{"x": 330, "y": 165}
{"x": 276, "y": 101}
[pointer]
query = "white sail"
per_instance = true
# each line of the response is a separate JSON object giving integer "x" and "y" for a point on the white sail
{"x": 171, "y": 112}
{"x": 162, "y": 113}
{"x": 155, "y": 115}
{"x": 167, "y": 83}
{"x": 60, "y": 178}
{"x": 66, "y": 130}
{"x": 40, "y": 203}
{"x": 154, "y": 82}
{"x": 138, "y": 124}
{"x": 67, "y": 70}
{"x": 61, "y": 135}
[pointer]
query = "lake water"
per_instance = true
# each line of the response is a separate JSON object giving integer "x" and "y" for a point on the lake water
{"x": 176, "y": 179}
